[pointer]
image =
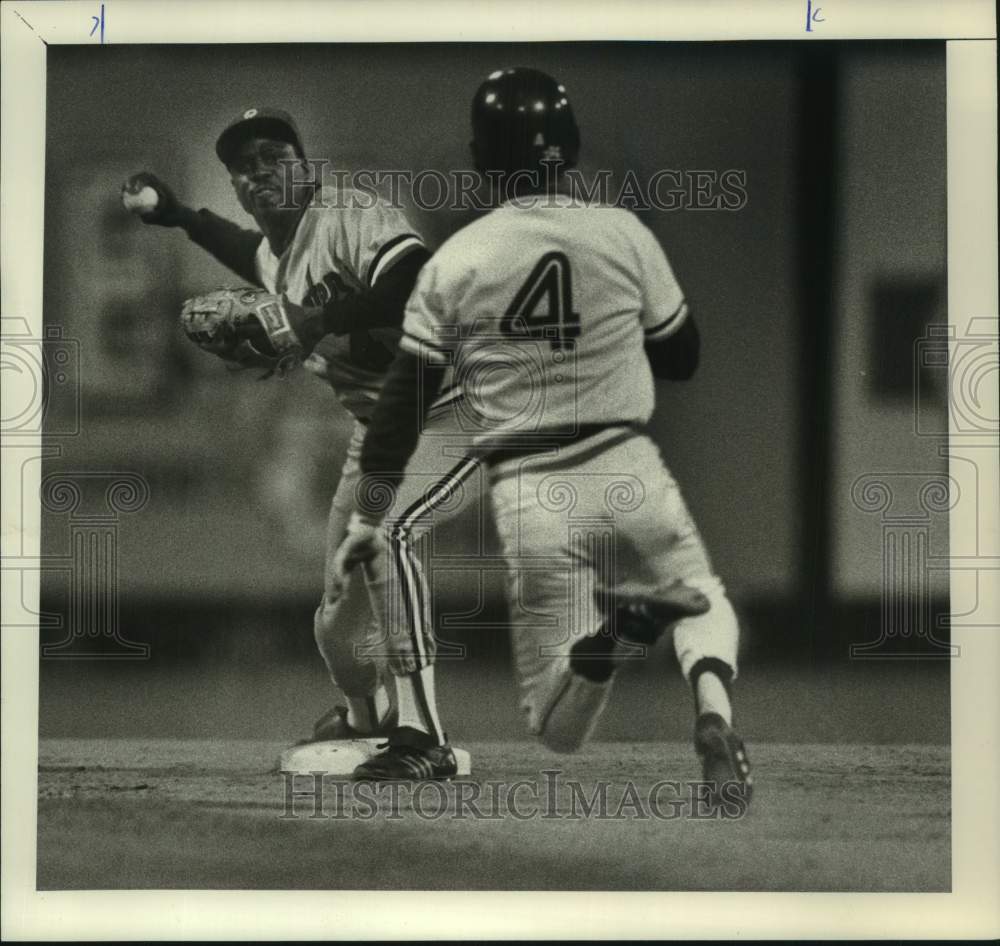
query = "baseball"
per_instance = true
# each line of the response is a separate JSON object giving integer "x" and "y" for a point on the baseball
{"x": 142, "y": 202}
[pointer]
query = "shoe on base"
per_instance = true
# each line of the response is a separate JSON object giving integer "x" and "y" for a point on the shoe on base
{"x": 409, "y": 756}
{"x": 723, "y": 755}
{"x": 333, "y": 725}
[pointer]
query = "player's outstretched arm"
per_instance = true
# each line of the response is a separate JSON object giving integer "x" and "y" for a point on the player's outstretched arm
{"x": 153, "y": 202}
{"x": 675, "y": 358}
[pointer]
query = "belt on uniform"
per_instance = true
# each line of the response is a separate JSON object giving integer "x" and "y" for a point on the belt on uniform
{"x": 585, "y": 442}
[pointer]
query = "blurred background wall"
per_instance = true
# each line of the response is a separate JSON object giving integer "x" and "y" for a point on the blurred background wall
{"x": 890, "y": 290}
{"x": 810, "y": 300}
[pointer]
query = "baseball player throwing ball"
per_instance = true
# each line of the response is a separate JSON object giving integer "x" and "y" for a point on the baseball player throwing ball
{"x": 329, "y": 276}
{"x": 556, "y": 317}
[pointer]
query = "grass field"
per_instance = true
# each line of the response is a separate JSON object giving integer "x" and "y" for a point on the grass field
{"x": 157, "y": 813}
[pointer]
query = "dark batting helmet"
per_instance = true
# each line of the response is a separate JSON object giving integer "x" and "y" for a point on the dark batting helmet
{"x": 521, "y": 117}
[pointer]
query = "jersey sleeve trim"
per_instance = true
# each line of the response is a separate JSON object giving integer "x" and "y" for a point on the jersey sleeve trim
{"x": 391, "y": 253}
{"x": 431, "y": 353}
{"x": 668, "y": 326}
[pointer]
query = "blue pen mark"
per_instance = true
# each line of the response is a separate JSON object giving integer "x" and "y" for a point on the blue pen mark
{"x": 812, "y": 16}
{"x": 98, "y": 22}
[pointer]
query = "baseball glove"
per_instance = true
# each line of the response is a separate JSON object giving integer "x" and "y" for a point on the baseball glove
{"x": 246, "y": 327}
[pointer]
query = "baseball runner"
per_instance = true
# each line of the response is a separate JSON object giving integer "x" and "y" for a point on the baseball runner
{"x": 330, "y": 273}
{"x": 556, "y": 316}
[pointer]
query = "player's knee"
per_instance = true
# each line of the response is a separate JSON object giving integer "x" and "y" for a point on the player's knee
{"x": 326, "y": 636}
{"x": 333, "y": 644}
{"x": 355, "y": 675}
{"x": 560, "y": 741}
{"x": 572, "y": 715}
{"x": 324, "y": 622}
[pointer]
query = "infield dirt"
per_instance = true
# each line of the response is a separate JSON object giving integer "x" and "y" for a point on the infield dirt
{"x": 133, "y": 813}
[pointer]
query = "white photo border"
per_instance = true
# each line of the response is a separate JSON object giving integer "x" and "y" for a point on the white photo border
{"x": 970, "y": 910}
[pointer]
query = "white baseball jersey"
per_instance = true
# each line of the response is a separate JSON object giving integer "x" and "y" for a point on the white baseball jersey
{"x": 543, "y": 309}
{"x": 341, "y": 247}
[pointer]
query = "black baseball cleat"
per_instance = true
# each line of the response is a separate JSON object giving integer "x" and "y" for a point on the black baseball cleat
{"x": 639, "y": 622}
{"x": 642, "y": 618}
{"x": 723, "y": 757}
{"x": 409, "y": 756}
{"x": 333, "y": 725}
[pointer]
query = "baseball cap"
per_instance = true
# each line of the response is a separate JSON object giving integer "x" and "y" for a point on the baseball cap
{"x": 259, "y": 122}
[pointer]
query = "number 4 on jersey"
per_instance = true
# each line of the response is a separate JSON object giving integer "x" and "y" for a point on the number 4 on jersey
{"x": 543, "y": 306}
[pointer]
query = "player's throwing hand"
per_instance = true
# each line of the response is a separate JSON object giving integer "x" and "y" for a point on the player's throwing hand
{"x": 151, "y": 200}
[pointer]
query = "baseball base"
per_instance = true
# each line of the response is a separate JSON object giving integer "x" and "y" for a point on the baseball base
{"x": 342, "y": 756}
